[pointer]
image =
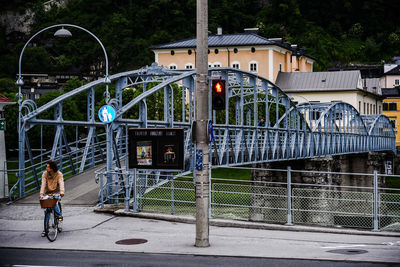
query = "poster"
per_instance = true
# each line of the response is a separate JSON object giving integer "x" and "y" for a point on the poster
{"x": 143, "y": 153}
{"x": 168, "y": 152}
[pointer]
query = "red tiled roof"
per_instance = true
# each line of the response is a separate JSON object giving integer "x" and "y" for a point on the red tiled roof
{"x": 4, "y": 99}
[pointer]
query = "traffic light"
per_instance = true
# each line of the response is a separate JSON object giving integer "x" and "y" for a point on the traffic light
{"x": 218, "y": 94}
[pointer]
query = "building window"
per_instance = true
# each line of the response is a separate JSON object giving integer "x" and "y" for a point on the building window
{"x": 253, "y": 50}
{"x": 172, "y": 52}
{"x": 396, "y": 82}
{"x": 236, "y": 65}
{"x": 338, "y": 115}
{"x": 389, "y": 106}
{"x": 235, "y": 50}
{"x": 315, "y": 115}
{"x": 380, "y": 109}
{"x": 189, "y": 66}
{"x": 359, "y": 106}
{"x": 365, "y": 109}
{"x": 253, "y": 66}
{"x": 393, "y": 122}
{"x": 217, "y": 64}
{"x": 189, "y": 51}
{"x": 216, "y": 51}
{"x": 172, "y": 66}
{"x": 280, "y": 67}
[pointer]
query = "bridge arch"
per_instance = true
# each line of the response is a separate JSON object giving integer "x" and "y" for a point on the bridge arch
{"x": 289, "y": 132}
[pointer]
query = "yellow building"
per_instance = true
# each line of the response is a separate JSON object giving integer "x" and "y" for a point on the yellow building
{"x": 391, "y": 91}
{"x": 247, "y": 51}
{"x": 391, "y": 108}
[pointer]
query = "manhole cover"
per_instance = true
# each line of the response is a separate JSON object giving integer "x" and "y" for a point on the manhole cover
{"x": 348, "y": 251}
{"x": 132, "y": 241}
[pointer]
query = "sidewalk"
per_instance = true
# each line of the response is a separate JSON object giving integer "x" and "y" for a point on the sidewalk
{"x": 84, "y": 229}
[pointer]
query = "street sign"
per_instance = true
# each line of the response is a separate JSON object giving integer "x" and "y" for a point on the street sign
{"x": 199, "y": 159}
{"x": 107, "y": 114}
{"x": 210, "y": 131}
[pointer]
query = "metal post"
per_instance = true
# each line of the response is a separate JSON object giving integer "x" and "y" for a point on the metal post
{"x": 21, "y": 155}
{"x": 172, "y": 197}
{"x": 134, "y": 205}
{"x": 376, "y": 200}
{"x": 289, "y": 196}
{"x": 202, "y": 176}
{"x": 109, "y": 164}
{"x": 127, "y": 194}
{"x": 101, "y": 191}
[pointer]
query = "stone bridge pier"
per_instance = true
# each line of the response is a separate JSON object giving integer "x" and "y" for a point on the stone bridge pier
{"x": 310, "y": 195}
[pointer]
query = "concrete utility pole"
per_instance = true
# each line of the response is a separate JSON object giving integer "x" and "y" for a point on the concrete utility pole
{"x": 202, "y": 176}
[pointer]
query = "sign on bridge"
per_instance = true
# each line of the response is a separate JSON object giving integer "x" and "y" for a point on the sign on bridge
{"x": 156, "y": 148}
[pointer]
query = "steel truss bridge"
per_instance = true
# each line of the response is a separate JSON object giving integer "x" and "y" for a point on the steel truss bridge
{"x": 155, "y": 97}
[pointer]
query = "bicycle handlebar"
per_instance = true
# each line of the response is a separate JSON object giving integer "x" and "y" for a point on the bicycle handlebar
{"x": 55, "y": 196}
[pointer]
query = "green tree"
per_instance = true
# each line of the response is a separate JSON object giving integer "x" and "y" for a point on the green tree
{"x": 9, "y": 89}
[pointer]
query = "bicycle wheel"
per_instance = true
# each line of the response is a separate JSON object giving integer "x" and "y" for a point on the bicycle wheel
{"x": 52, "y": 226}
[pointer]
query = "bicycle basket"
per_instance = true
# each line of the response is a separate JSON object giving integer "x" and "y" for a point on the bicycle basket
{"x": 48, "y": 203}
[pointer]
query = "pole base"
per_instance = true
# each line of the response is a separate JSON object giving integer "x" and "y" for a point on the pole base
{"x": 202, "y": 243}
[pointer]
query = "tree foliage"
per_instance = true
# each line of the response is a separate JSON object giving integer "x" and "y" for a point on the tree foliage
{"x": 335, "y": 32}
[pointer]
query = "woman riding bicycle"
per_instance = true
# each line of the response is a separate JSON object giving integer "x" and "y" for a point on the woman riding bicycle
{"x": 52, "y": 183}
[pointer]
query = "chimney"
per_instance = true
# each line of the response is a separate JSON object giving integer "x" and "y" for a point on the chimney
{"x": 251, "y": 30}
{"x": 277, "y": 40}
{"x": 219, "y": 31}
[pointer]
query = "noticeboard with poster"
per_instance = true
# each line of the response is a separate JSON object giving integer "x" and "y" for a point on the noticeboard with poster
{"x": 156, "y": 148}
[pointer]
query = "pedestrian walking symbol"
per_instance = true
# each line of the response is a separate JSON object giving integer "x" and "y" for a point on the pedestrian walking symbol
{"x": 106, "y": 114}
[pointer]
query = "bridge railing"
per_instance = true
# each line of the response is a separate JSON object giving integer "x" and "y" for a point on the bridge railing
{"x": 374, "y": 207}
{"x": 69, "y": 164}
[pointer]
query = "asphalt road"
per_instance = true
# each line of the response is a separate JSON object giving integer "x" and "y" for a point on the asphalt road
{"x": 45, "y": 257}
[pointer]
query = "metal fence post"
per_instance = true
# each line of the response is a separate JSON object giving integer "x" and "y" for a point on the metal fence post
{"x": 134, "y": 192}
{"x": 172, "y": 197}
{"x": 116, "y": 188}
{"x": 210, "y": 190}
{"x": 289, "y": 196}
{"x": 127, "y": 195}
{"x": 101, "y": 191}
{"x": 376, "y": 200}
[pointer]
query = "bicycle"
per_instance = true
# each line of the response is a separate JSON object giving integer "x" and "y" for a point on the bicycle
{"x": 52, "y": 224}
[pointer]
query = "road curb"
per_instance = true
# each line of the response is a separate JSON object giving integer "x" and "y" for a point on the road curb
{"x": 241, "y": 224}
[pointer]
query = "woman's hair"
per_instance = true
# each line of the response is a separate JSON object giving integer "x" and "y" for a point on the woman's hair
{"x": 53, "y": 165}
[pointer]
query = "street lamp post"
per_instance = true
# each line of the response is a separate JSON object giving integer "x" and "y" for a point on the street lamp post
{"x": 62, "y": 32}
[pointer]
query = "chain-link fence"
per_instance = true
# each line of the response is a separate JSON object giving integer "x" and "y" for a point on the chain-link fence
{"x": 372, "y": 206}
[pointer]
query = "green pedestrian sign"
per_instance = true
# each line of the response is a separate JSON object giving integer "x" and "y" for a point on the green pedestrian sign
{"x": 2, "y": 125}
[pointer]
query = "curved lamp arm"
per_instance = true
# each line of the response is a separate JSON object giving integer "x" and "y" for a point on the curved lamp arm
{"x": 20, "y": 82}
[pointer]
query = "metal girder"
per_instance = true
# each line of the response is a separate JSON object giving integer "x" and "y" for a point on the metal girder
{"x": 290, "y": 132}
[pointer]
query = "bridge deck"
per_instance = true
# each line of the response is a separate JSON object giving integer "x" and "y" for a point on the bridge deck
{"x": 80, "y": 189}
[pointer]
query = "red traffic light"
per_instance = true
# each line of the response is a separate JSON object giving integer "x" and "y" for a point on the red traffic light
{"x": 218, "y": 87}
{"x": 218, "y": 91}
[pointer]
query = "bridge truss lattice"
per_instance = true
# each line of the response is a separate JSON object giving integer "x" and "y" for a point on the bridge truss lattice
{"x": 155, "y": 97}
